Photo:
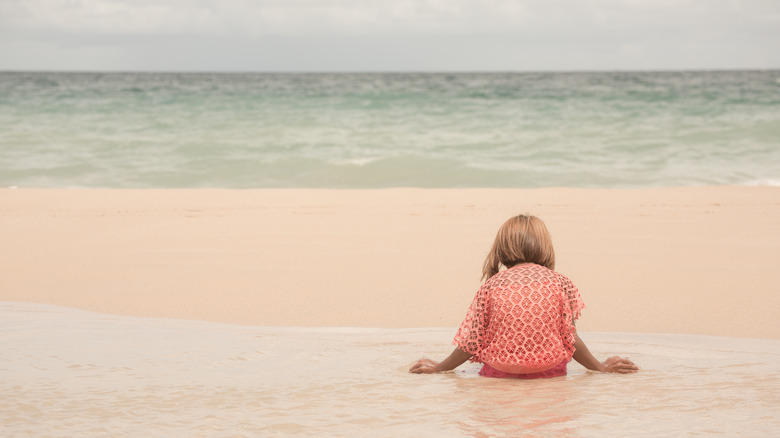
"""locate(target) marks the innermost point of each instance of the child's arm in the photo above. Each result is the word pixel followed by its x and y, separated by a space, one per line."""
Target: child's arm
pixel 427 366
pixel 614 364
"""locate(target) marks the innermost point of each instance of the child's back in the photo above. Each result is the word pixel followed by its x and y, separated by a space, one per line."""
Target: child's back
pixel 522 320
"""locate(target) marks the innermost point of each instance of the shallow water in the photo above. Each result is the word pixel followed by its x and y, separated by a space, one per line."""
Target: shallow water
pixel 69 372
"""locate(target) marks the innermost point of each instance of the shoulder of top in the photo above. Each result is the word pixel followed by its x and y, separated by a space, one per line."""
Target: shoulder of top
pixel 563 278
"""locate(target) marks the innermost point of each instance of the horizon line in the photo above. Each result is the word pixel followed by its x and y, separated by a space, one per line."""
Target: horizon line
pixel 540 71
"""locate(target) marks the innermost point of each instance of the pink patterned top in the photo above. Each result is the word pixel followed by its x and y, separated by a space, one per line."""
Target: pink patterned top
pixel 522 320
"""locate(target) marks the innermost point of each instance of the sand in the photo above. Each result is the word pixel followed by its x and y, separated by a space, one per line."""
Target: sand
pixel 696 260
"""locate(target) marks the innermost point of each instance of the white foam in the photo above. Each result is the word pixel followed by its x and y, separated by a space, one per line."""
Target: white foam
pixel 763 182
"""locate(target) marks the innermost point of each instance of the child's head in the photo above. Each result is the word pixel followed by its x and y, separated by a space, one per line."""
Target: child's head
pixel 522 239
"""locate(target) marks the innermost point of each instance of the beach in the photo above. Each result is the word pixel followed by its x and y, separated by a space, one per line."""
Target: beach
pixel 692 260
pixel 297 312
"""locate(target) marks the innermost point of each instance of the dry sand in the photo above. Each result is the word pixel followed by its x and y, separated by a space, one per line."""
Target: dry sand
pixel 700 260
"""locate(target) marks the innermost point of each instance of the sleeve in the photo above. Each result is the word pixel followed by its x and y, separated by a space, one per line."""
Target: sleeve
pixel 471 334
pixel 571 308
pixel 572 301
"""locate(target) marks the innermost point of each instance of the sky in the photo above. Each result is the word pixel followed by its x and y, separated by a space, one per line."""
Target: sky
pixel 388 35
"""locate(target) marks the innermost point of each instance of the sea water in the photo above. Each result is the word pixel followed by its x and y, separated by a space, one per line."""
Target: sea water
pixel 611 129
pixel 69 372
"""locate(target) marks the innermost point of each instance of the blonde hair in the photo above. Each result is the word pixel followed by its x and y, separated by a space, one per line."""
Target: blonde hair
pixel 521 239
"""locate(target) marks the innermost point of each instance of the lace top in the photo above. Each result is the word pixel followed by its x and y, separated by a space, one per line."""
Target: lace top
pixel 522 320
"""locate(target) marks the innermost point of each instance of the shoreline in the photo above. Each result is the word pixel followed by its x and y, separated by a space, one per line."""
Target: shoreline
pixel 445 333
pixel 686 260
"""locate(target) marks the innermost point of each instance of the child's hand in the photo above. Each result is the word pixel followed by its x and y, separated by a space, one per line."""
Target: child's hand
pixel 424 366
pixel 617 364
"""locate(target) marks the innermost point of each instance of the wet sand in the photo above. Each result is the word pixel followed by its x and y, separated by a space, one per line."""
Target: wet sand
pixel 696 260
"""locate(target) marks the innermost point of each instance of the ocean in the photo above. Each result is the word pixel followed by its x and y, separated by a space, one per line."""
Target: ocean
pixel 70 372
pixel 376 130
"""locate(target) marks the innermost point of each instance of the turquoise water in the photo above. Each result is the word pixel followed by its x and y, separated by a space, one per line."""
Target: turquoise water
pixel 612 130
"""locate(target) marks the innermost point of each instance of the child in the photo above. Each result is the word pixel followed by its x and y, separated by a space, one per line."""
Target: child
pixel 521 322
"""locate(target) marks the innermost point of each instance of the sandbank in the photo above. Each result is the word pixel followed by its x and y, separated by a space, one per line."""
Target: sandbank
pixel 697 260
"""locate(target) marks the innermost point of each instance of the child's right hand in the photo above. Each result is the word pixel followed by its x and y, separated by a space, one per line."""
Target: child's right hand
pixel 616 364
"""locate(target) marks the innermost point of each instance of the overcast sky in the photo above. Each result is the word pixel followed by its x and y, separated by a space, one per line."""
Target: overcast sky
pixel 388 35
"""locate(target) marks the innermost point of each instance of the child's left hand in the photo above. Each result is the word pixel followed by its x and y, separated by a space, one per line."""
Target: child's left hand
pixel 424 366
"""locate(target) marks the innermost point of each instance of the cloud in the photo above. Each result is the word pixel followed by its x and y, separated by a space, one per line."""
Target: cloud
pixel 360 17
pixel 654 33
